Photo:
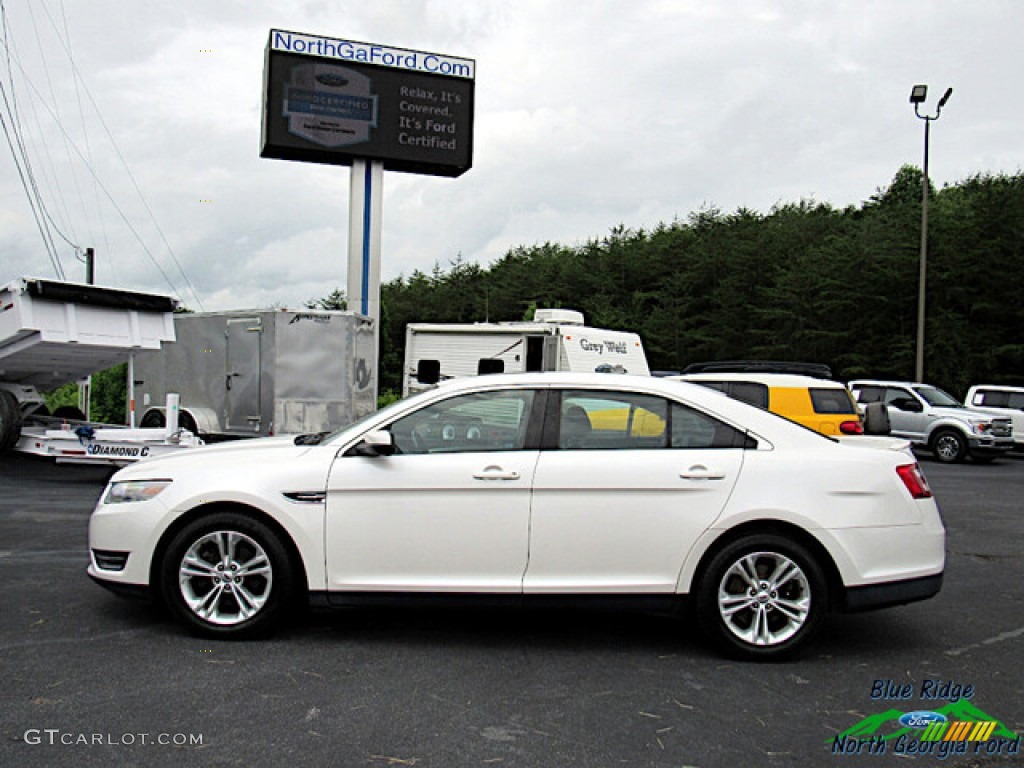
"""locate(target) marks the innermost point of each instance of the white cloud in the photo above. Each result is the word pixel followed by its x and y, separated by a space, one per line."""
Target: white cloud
pixel 588 115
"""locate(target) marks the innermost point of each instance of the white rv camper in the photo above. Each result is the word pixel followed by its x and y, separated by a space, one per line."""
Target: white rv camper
pixel 556 340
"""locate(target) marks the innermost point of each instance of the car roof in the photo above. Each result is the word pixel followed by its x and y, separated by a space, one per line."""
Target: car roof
pixel 889 383
pixel 768 379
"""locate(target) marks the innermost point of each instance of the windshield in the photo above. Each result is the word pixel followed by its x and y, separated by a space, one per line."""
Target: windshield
pixel 937 397
pixel 325 437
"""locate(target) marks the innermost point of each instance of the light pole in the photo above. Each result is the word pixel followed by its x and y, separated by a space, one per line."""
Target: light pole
pixel 917 96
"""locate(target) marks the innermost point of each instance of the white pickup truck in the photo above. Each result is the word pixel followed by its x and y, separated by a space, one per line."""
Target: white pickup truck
pixel 937 421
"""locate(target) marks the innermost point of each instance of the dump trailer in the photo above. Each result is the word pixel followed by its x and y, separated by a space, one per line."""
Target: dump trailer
pixel 55 332
pixel 261 372
pixel 556 340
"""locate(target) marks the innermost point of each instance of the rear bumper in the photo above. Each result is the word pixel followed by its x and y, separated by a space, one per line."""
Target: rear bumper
pixel 891 593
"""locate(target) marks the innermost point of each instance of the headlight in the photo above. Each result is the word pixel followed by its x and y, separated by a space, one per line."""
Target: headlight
pixel 982 427
pixel 134 490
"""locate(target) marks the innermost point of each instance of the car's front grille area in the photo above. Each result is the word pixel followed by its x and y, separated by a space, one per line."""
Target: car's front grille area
pixel 1001 428
pixel 108 560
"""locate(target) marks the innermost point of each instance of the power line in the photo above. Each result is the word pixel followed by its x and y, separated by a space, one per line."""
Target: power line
pixel 44 220
pixel 16 142
pixel 113 142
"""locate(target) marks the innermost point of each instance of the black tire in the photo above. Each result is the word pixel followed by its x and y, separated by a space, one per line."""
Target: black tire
pixel 10 420
pixel 948 446
pixel 770 619
pixel 225 595
pixel 153 419
pixel 69 412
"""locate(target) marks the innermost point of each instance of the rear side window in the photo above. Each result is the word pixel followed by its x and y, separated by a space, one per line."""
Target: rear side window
pixel 832 400
pixel 744 391
pixel 750 392
pixel 694 429
pixel 592 420
pixel 870 394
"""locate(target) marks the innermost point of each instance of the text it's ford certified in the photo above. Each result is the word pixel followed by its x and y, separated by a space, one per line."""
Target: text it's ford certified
pixel 555 486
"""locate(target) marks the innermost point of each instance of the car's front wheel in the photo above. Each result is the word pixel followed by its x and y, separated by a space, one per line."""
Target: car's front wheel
pixel 949 446
pixel 227 575
pixel 762 596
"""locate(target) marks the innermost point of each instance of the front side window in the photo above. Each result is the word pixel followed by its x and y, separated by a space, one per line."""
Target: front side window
pixel 992 398
pixel 482 421
pixel 897 394
pixel 938 398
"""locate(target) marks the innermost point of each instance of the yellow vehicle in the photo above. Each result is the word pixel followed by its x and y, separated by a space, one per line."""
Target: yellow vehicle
pixel 823 405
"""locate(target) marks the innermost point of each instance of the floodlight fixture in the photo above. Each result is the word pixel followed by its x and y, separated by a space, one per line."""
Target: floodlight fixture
pixel 945 97
pixel 918 94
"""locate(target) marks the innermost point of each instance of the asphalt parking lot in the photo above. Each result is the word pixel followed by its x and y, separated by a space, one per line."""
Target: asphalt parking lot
pixel 90 679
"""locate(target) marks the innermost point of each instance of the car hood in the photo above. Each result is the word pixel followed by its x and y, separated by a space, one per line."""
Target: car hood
pixel 965 412
pixel 263 450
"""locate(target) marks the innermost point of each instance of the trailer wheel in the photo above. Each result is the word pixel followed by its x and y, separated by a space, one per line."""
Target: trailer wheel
pixel 10 420
pixel 69 412
pixel 153 419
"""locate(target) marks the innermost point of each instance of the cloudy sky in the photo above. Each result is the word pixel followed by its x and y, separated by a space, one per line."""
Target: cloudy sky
pixel 141 119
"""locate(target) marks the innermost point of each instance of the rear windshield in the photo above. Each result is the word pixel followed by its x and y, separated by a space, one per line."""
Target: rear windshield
pixel 832 401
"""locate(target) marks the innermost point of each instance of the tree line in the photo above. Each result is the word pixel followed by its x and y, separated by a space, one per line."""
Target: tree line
pixel 803 282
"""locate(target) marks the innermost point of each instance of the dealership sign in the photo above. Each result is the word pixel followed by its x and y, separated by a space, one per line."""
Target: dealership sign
pixel 334 101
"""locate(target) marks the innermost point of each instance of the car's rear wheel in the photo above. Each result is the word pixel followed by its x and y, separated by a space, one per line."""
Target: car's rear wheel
pixel 762 596
pixel 227 575
pixel 949 446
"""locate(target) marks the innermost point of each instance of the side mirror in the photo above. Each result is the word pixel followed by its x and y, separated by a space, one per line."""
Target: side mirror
pixel 379 442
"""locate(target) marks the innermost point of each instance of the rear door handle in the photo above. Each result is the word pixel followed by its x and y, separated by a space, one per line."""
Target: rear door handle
pixel 495 473
pixel 701 473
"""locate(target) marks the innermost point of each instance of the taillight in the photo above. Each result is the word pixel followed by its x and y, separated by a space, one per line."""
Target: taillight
pixel 914 479
pixel 852 428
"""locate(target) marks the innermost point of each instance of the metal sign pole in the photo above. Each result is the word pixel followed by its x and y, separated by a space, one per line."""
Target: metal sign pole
pixel 364 235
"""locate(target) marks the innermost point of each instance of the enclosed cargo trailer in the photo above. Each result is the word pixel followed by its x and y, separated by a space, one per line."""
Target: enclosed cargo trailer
pixel 262 372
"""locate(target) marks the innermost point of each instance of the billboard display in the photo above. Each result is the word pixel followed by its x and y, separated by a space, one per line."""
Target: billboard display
pixel 333 101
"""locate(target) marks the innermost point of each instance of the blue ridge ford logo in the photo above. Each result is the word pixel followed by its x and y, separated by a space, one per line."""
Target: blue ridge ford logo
pixel 921 719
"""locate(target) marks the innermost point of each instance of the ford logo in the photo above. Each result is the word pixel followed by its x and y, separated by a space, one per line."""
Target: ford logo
pixel 921 719
pixel 333 80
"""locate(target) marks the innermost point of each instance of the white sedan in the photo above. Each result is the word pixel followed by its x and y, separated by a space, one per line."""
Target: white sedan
pixel 532 487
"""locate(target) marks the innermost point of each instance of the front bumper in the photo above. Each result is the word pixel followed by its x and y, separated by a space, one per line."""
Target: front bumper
pixel 135 591
pixel 990 444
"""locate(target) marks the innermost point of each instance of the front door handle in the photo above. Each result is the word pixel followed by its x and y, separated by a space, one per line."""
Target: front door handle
pixel 496 473
pixel 700 472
